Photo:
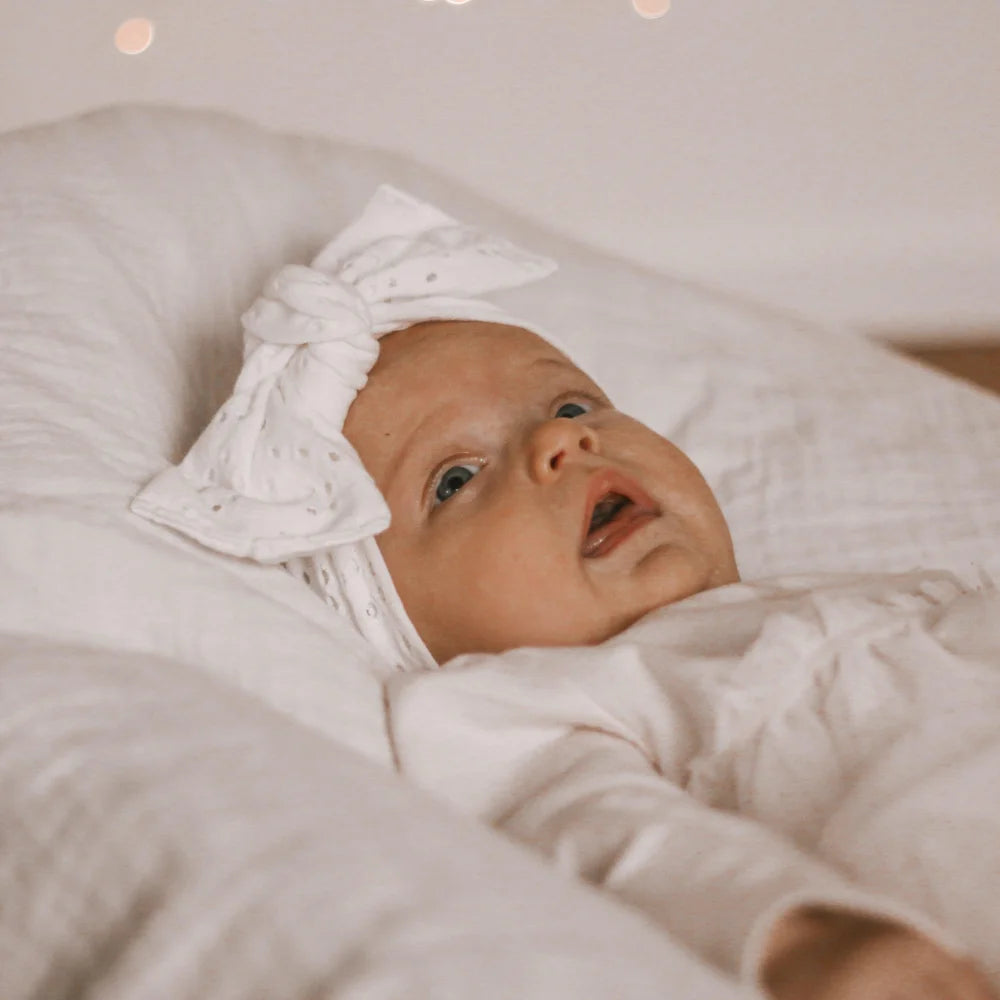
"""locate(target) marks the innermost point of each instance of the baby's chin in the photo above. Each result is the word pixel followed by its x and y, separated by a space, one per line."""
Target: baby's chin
pixel 664 576
pixel 671 580
pixel 668 575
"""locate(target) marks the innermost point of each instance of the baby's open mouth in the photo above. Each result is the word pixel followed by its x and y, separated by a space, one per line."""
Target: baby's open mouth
pixel 607 509
pixel 616 508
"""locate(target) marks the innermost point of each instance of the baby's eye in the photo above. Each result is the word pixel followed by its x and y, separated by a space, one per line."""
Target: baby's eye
pixel 571 410
pixel 452 480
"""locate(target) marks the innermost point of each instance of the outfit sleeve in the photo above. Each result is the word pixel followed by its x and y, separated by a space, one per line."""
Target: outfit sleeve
pixel 575 776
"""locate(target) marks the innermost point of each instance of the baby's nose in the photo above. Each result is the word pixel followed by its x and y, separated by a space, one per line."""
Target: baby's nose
pixel 556 441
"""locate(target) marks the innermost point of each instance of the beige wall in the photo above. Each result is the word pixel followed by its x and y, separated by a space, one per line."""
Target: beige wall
pixel 841 158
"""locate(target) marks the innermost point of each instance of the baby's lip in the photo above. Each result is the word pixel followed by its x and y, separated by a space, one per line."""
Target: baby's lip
pixel 641 508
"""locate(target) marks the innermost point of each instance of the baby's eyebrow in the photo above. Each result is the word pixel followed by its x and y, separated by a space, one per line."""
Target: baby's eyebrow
pixel 555 362
pixel 419 448
pixel 407 450
pixel 565 365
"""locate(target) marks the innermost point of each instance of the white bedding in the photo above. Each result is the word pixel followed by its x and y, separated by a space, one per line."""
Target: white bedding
pixel 165 837
pixel 130 241
pixel 851 723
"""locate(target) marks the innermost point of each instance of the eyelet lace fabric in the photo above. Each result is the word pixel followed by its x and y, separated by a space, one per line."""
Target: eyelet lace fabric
pixel 272 477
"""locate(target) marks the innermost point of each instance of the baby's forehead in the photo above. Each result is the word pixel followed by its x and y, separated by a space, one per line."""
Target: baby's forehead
pixel 466 350
pixel 470 343
pixel 438 376
pixel 447 380
pixel 467 338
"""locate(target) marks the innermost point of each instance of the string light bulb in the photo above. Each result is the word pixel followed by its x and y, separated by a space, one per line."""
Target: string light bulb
pixel 134 36
pixel 651 8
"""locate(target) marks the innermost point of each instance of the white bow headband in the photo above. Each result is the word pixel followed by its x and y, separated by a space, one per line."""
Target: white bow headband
pixel 272 478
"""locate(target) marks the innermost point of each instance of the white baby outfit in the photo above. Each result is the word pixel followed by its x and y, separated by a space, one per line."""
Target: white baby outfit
pixel 272 478
pixel 817 740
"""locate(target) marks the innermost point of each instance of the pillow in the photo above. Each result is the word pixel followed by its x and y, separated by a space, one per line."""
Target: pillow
pixel 164 837
pixel 132 238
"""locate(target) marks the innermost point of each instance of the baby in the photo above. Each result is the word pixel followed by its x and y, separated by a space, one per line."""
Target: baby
pixel 528 511
pixel 481 494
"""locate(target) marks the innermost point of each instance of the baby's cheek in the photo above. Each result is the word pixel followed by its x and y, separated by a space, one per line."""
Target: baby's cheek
pixel 541 600
pixel 502 598
pixel 495 585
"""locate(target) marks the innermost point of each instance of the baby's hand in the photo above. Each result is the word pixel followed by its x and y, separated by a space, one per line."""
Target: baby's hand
pixel 829 955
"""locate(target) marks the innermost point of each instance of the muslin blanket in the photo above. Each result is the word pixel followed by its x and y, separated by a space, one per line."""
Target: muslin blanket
pixel 823 740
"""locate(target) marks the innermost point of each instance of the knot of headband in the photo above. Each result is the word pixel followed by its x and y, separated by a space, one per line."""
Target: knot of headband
pixel 272 477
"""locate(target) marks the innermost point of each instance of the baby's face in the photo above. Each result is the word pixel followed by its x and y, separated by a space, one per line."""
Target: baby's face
pixel 526 510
